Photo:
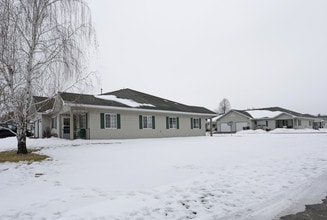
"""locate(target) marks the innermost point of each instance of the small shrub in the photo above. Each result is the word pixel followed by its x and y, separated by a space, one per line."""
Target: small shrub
pixel 47 132
pixel 54 134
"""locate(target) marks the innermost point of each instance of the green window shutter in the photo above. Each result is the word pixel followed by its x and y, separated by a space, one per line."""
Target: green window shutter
pixel 118 121
pixel 102 120
pixel 200 123
pixel 167 122
pixel 177 122
pixel 140 122
pixel 191 123
pixel 86 118
pixel 153 122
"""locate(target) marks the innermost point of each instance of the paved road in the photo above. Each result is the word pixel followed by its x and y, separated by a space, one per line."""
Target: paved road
pixel 312 212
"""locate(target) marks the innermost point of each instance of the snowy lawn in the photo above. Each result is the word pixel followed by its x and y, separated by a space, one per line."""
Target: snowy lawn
pixel 248 175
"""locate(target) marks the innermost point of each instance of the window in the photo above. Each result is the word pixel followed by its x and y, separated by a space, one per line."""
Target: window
pixel 195 123
pixel 110 121
pixel 262 123
pixel 172 122
pixel 54 123
pixel 82 121
pixel 146 121
pixel 299 122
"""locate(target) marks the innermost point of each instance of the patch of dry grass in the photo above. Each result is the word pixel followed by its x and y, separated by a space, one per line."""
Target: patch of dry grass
pixel 12 156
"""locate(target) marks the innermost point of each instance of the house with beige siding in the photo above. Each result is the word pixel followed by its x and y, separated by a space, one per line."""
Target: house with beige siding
pixel 263 118
pixel 119 114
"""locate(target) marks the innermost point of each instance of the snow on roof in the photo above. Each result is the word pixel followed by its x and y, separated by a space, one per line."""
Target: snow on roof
pixel 128 102
pixel 217 117
pixel 263 113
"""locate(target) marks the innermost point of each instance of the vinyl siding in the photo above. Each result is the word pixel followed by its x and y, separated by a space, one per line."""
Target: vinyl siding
pixel 234 117
pixel 130 125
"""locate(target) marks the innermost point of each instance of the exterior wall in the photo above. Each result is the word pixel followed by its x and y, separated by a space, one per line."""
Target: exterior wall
pixel 266 124
pixel 37 124
pixel 235 118
pixel 130 125
pixel 305 123
pixel 40 122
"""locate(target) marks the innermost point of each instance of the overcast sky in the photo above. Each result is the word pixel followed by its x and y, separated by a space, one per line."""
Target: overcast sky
pixel 254 53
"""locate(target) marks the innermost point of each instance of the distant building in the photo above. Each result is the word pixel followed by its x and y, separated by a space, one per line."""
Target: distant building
pixel 266 119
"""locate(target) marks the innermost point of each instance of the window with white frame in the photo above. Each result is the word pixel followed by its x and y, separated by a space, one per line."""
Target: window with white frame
pixel 82 121
pixel 172 122
pixel 54 123
pixel 110 121
pixel 196 123
pixel 147 121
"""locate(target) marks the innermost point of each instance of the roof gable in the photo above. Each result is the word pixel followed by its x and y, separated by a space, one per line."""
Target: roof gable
pixel 43 104
pixel 239 112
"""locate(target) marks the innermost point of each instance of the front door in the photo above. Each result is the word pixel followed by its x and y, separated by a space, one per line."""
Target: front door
pixel 66 128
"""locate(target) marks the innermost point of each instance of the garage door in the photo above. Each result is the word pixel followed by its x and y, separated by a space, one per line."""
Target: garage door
pixel 241 125
pixel 224 127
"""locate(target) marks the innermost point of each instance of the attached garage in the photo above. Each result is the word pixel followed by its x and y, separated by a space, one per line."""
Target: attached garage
pixel 241 125
pixel 224 127
pixel 233 121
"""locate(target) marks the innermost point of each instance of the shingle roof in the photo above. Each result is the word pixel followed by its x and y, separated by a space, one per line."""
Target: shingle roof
pixel 273 109
pixel 152 102
pixel 42 104
pixel 88 100
pixel 244 113
pixel 287 111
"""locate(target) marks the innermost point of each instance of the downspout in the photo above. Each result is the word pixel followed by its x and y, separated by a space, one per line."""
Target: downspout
pixel 211 127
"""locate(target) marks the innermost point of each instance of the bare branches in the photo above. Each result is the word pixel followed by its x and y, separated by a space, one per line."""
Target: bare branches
pixel 43 47
pixel 224 106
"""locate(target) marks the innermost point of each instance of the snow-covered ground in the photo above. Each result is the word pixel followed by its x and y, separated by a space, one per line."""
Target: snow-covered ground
pixel 248 175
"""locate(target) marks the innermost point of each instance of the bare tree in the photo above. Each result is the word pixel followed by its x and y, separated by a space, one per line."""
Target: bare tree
pixel 42 43
pixel 224 106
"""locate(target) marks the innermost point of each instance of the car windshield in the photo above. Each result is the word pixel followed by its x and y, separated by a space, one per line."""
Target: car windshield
pixel 12 127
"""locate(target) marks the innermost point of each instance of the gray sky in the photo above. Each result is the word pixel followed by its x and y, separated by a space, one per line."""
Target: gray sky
pixel 254 53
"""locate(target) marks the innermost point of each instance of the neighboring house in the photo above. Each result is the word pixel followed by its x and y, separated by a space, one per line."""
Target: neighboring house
pixel 263 118
pixel 120 114
pixel 321 121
